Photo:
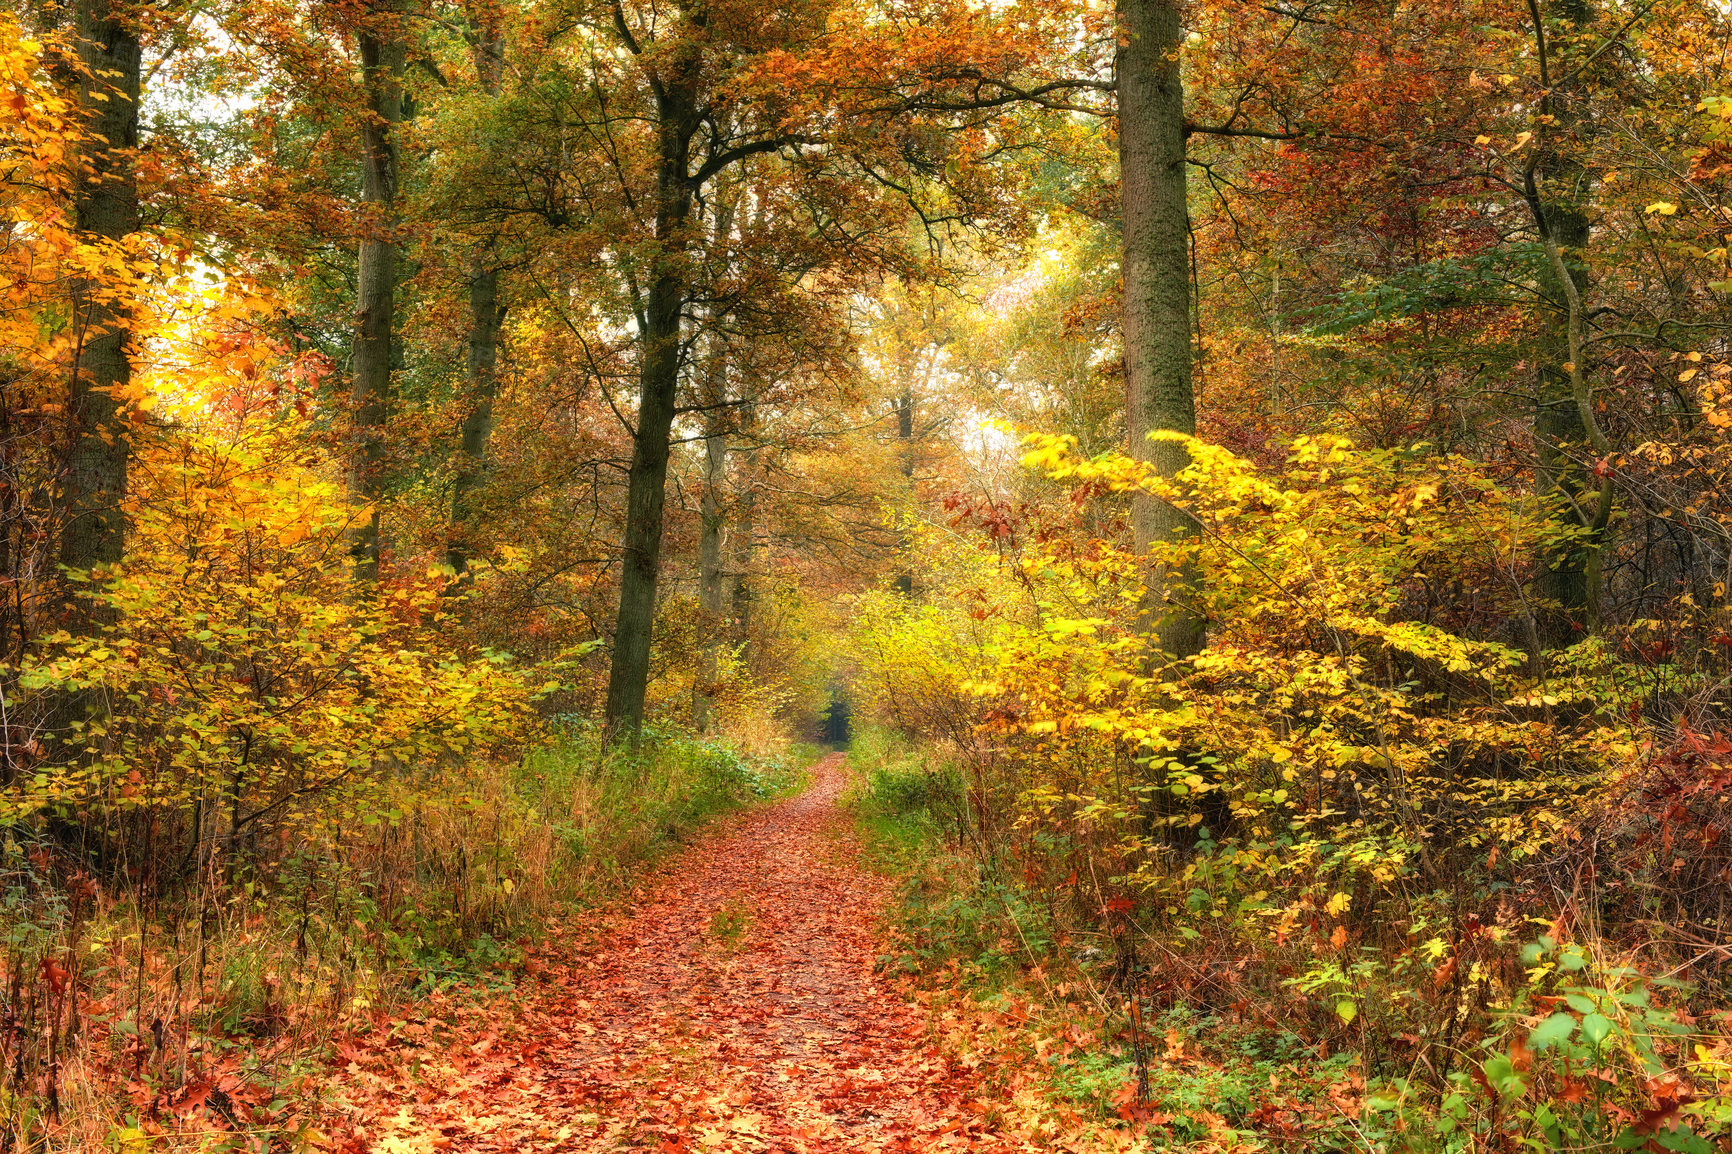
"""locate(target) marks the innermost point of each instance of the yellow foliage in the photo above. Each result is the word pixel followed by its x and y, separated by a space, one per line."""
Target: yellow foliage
pixel 1336 727
pixel 240 676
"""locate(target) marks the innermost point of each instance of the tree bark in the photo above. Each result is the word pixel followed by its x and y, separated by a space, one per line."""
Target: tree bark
pixel 712 583
pixel 485 318
pixel 1157 296
pixel 905 439
pixel 1569 573
pixel 107 210
pixel 659 375
pixel 382 59
pixel 738 590
pixel 1558 431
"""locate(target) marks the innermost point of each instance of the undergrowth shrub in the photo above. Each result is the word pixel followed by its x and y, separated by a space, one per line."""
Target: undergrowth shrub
pixel 912 808
pixel 904 787
pixel 1344 828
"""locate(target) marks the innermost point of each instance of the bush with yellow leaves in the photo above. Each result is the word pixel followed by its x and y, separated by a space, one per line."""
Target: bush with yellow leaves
pixel 242 682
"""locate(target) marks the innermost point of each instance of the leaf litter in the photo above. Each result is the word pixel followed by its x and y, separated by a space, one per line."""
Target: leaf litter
pixel 729 1005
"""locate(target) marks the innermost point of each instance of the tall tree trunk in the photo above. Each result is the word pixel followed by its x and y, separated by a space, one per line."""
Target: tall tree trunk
pixel 905 440
pixel 382 58
pixel 646 488
pixel 1157 300
pixel 107 210
pixel 105 205
pixel 712 516
pixel 1569 575
pixel 485 318
pixel 712 579
pixel 659 377
pixel 1558 436
pixel 738 591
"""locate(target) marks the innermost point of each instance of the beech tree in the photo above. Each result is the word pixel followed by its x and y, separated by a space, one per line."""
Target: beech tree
pixel 1156 320
pixel 487 47
pixel 379 44
pixel 106 212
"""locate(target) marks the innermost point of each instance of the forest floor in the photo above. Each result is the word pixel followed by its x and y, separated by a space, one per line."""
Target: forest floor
pixel 729 1005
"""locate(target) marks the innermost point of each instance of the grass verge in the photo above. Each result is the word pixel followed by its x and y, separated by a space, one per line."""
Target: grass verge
pixel 211 1016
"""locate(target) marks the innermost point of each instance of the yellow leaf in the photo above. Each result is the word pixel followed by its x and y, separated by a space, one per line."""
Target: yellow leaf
pixel 1338 904
pixel 1663 207
pixel 1482 140
pixel 130 1139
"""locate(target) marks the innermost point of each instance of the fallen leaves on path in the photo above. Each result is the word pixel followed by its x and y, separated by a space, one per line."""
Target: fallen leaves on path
pixel 733 1007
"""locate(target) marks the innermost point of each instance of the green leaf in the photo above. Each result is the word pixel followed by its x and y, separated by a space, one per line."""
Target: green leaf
pixel 1500 1073
pixel 1581 1003
pixel 1346 1010
pixel 1553 1030
pixel 1596 1028
pixel 1683 1140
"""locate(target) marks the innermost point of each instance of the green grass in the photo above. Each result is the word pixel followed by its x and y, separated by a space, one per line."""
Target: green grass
pixel 903 805
pixel 908 809
pixel 728 925
pixel 613 810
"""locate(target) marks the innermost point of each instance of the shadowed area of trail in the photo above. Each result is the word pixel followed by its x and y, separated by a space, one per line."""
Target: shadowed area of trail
pixel 732 1008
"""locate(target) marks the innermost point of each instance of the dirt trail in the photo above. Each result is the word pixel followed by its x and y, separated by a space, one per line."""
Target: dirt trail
pixel 667 1035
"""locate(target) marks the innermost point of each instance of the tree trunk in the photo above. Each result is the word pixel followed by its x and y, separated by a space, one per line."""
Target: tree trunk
pixel 712 583
pixel 628 676
pixel 659 377
pixel 1558 435
pixel 1569 576
pixel 1157 295
pixel 485 318
pixel 905 438
pixel 382 60
pixel 743 542
pixel 107 210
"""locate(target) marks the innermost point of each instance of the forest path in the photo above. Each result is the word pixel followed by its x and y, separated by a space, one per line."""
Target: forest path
pixel 733 1008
